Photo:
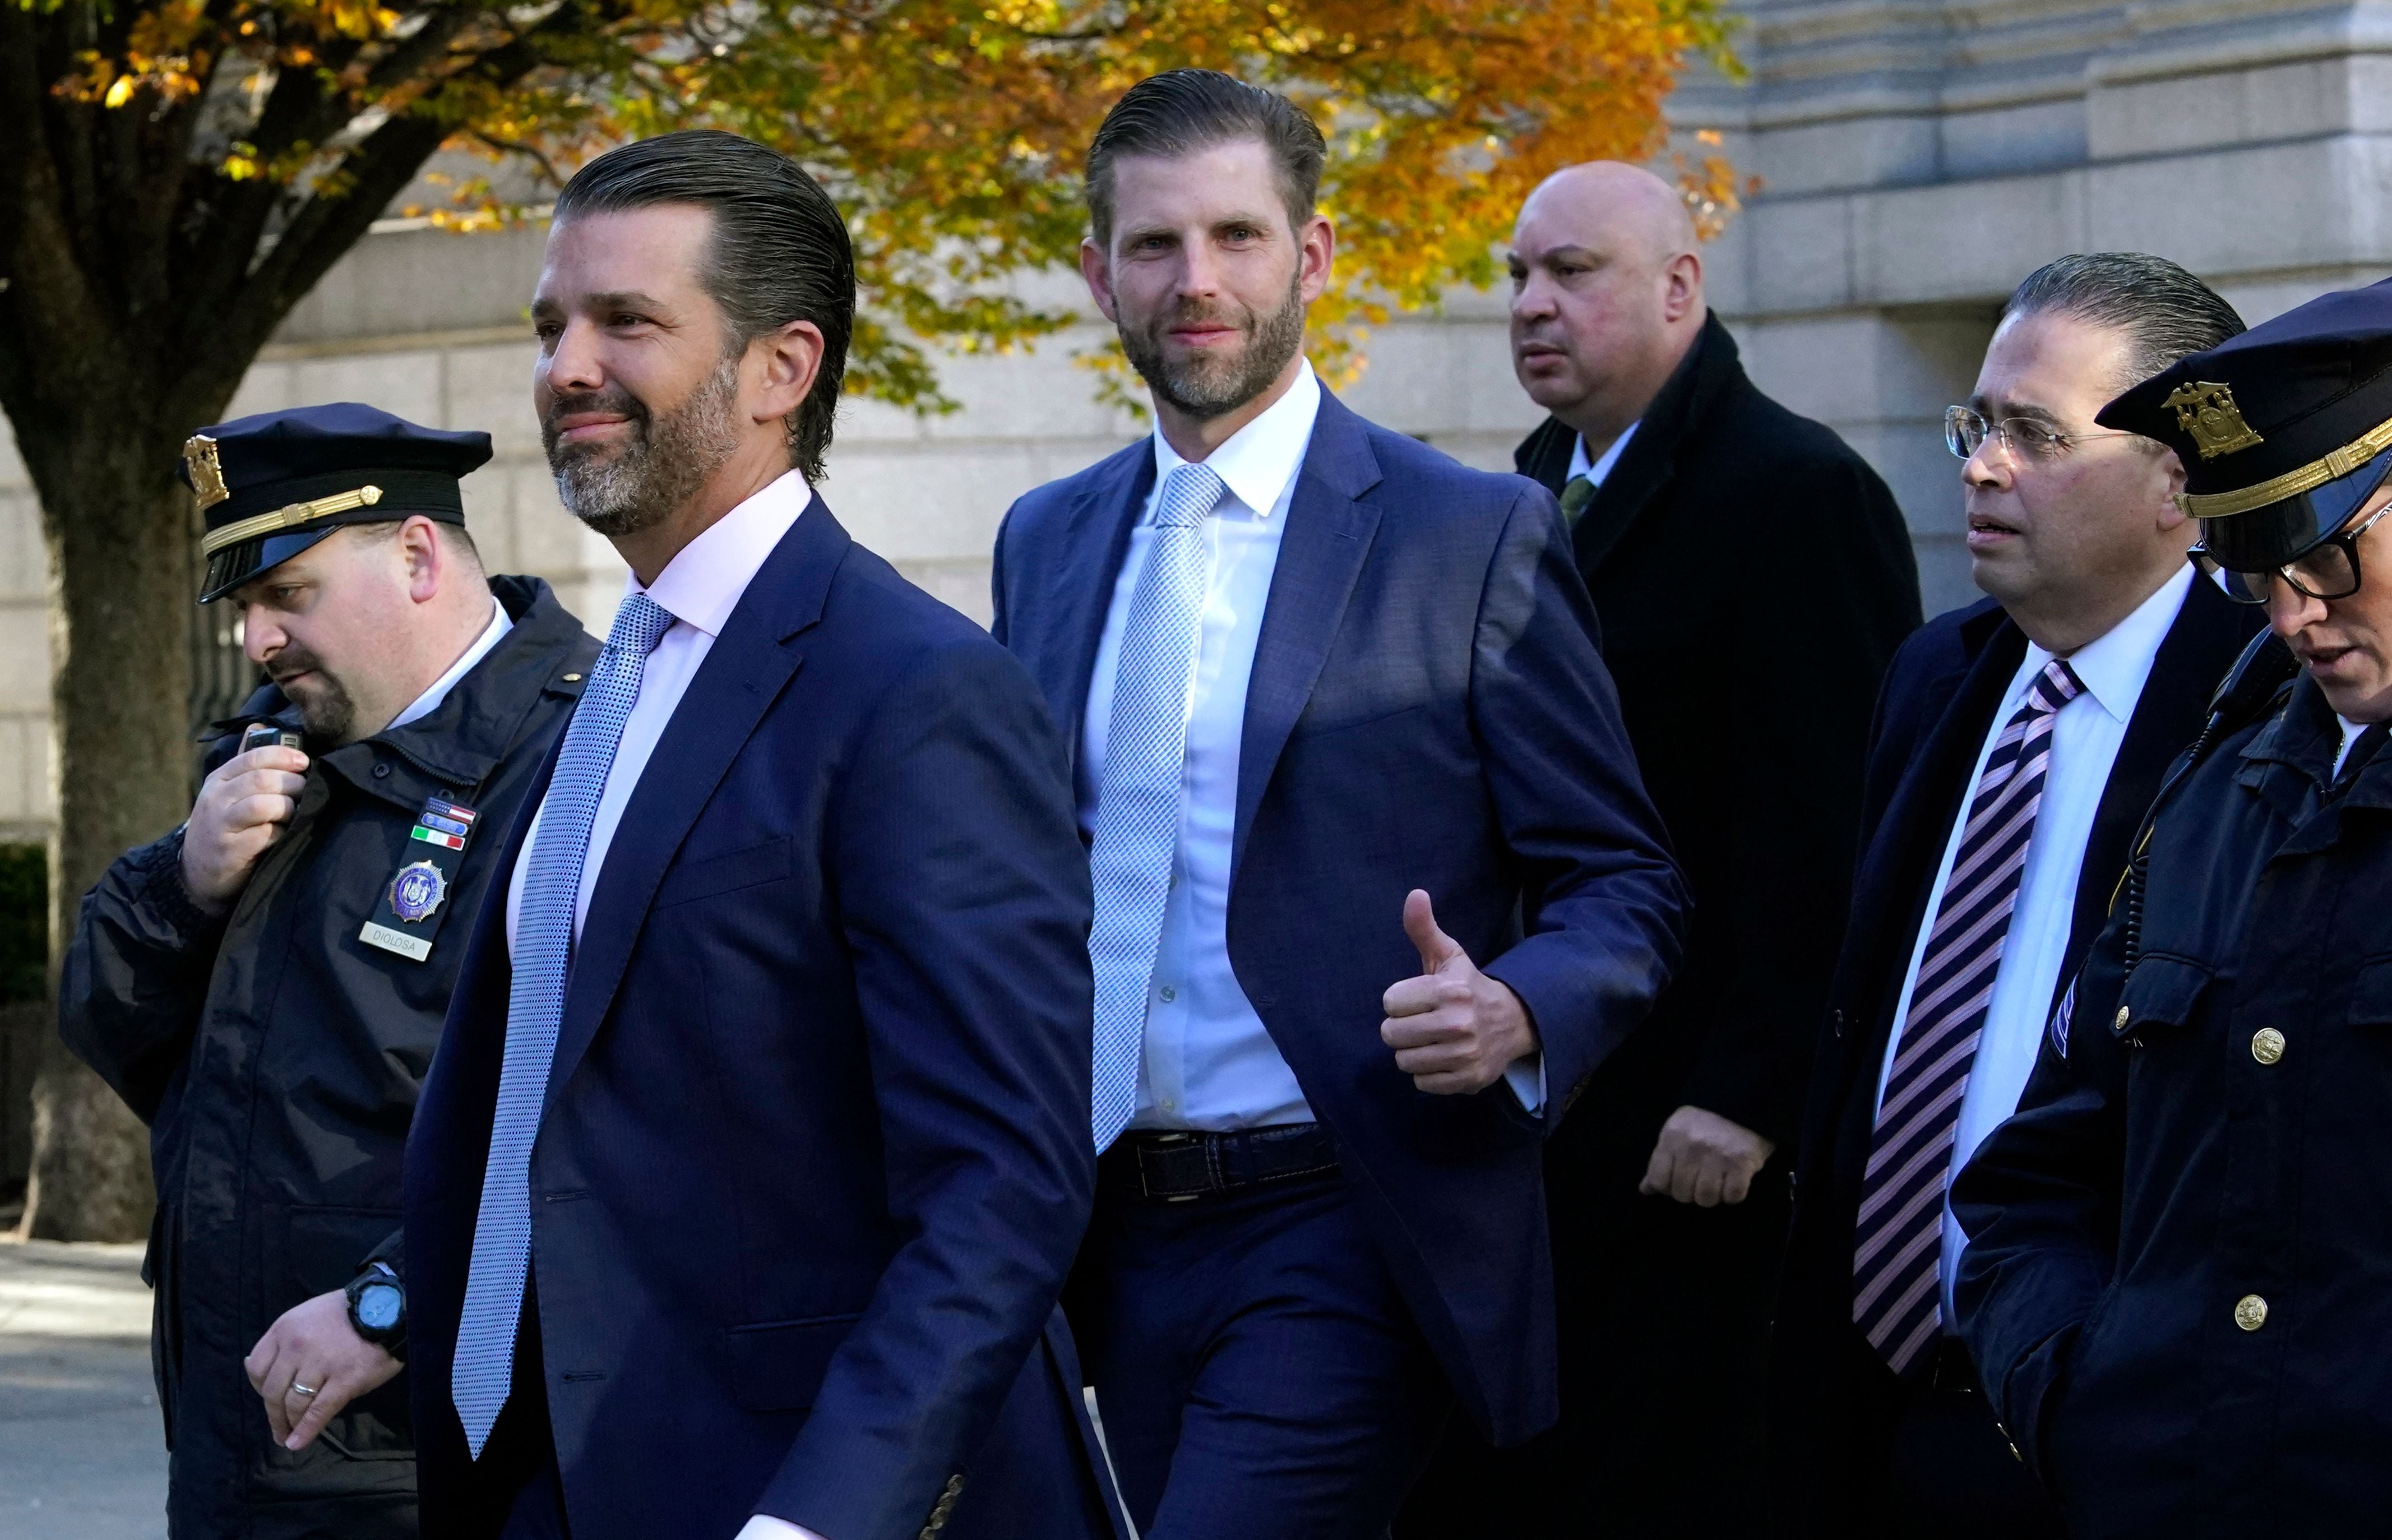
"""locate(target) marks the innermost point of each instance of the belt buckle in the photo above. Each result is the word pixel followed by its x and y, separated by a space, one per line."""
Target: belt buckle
pixel 1171 1143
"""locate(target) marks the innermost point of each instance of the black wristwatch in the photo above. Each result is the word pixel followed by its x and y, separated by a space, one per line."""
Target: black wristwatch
pixel 378 1310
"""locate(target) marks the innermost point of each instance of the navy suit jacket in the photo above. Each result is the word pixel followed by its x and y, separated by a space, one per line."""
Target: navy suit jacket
pixel 1427 709
pixel 814 1157
pixel 1832 1400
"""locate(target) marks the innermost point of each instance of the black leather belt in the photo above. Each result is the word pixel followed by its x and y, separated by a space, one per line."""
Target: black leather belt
pixel 1177 1167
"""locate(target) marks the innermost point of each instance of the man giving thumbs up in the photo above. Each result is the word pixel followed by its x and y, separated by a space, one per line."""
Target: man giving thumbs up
pixel 1454 1030
pixel 1309 665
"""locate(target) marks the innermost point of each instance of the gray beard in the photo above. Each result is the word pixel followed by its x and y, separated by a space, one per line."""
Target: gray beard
pixel 663 466
pixel 1209 387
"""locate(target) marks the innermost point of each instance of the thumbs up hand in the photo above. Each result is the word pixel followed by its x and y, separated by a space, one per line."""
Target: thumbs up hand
pixel 1454 1030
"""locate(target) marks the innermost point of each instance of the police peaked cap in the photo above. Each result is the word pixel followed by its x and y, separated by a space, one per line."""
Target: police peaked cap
pixel 2285 431
pixel 273 485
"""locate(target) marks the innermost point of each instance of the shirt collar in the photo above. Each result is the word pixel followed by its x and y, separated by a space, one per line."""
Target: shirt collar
pixel 1258 461
pixel 1598 470
pixel 702 584
pixel 2113 666
pixel 429 702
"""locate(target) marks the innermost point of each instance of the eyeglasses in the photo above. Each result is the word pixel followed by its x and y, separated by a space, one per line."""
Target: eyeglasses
pixel 2327 570
pixel 1965 433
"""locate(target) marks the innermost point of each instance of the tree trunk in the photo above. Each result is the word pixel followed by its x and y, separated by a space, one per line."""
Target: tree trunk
pixel 118 530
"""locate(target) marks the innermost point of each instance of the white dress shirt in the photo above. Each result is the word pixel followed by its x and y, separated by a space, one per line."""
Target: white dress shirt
pixel 2350 731
pixel 698 588
pixel 2086 733
pixel 429 702
pixel 1209 1062
pixel 1599 470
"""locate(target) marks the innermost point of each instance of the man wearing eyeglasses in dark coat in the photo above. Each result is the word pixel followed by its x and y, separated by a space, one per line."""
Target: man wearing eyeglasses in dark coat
pixel 2178 1279
pixel 2019 741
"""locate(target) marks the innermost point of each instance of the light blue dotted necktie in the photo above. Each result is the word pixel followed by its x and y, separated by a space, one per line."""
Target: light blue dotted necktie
pixel 1138 799
pixel 543 952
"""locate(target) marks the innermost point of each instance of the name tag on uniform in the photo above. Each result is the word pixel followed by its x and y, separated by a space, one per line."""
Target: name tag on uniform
pixel 415 900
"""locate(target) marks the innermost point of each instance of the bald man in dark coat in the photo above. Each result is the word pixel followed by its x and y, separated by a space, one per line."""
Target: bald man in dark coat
pixel 1752 577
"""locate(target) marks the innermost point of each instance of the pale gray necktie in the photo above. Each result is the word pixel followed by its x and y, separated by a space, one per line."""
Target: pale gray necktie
pixel 1137 799
pixel 543 958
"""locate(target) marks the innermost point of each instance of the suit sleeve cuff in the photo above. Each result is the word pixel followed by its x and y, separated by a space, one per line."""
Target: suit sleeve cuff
pixel 1745 1096
pixel 1527 1079
pixel 169 901
pixel 763 1526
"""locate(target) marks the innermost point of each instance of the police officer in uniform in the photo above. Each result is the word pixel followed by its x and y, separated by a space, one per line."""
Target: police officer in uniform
pixel 2178 1285
pixel 265 985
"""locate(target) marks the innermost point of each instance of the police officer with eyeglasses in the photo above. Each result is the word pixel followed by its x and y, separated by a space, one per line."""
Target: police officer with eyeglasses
pixel 2177 1282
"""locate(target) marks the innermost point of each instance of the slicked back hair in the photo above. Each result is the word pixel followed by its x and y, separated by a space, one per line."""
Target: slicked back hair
pixel 1180 111
pixel 779 252
pixel 2165 312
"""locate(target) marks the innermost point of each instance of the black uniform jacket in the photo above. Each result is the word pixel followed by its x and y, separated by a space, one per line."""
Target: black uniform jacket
pixel 1832 1400
pixel 2178 1279
pixel 1753 578
pixel 277 1059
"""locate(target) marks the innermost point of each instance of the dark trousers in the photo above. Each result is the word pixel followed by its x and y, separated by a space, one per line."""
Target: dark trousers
pixel 1255 1370
pixel 1662 1319
pixel 1950 1472
pixel 1858 1454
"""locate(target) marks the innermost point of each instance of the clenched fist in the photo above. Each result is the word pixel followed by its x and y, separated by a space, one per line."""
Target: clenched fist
pixel 1705 1160
pixel 240 811
pixel 1454 1030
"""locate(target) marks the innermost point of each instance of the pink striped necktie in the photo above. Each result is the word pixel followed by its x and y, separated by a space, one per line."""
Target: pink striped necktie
pixel 1898 1256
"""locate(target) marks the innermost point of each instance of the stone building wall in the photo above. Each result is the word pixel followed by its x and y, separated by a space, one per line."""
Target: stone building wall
pixel 1918 158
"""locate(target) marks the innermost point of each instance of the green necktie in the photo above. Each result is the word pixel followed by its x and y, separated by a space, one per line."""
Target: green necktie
pixel 1575 497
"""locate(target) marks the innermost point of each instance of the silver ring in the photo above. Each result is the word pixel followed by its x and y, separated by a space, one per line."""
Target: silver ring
pixel 298 1389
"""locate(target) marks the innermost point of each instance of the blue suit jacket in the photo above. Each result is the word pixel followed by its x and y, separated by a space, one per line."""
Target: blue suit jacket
pixel 1427 709
pixel 814 1157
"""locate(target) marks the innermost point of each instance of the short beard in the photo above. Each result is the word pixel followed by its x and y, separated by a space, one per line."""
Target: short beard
pixel 327 711
pixel 667 461
pixel 1206 387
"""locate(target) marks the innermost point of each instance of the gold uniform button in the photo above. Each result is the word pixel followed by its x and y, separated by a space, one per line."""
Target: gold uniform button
pixel 2123 1016
pixel 2250 1313
pixel 2267 1045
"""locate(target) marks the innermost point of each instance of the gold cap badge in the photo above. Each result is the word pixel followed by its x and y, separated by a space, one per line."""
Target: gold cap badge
pixel 207 474
pixel 2206 410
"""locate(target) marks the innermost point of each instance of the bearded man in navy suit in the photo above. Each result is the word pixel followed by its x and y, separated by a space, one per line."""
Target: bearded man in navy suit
pixel 757 1148
pixel 1377 884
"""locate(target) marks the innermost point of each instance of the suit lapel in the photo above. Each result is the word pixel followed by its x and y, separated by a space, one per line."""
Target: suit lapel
pixel 743 672
pixel 1080 589
pixel 1707 372
pixel 1329 534
pixel 2208 634
pixel 1620 501
pixel 1544 456
pixel 1918 819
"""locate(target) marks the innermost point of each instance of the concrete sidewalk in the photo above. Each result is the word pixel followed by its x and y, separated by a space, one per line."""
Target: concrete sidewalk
pixel 81 1456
